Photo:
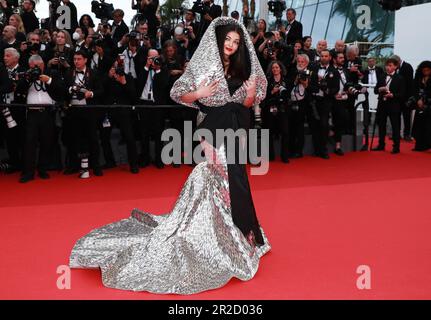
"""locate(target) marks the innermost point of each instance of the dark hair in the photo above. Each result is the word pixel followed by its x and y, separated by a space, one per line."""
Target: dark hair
pixel 81 53
pixel 90 21
pixel 234 14
pixel 264 21
pixel 421 66
pixel 292 10
pixel 239 66
pixel 304 39
pixel 335 54
pixel 280 64
pixel 391 60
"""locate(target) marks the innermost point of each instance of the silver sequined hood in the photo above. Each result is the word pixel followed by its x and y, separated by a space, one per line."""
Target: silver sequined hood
pixel 206 64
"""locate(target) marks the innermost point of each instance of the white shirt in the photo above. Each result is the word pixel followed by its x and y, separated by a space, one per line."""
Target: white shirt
pixel 79 81
pixel 147 93
pixel 129 63
pixel 372 76
pixel 37 96
pixel 10 97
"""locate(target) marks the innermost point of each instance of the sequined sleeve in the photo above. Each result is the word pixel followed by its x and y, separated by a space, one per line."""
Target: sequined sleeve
pixel 185 84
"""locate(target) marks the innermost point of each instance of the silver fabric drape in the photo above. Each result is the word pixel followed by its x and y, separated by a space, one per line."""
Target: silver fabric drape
pixel 196 246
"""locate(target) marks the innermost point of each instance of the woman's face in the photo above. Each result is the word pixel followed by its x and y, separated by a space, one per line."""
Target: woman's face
pixel 308 43
pixel 426 72
pixel 276 70
pixel 170 52
pixel 297 46
pixel 60 39
pixel 261 25
pixel 13 22
pixel 231 43
pixel 85 21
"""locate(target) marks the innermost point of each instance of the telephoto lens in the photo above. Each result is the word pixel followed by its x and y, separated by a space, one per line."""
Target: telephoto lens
pixel 11 123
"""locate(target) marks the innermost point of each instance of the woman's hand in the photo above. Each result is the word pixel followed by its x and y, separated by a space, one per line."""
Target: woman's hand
pixel 205 91
pixel 250 86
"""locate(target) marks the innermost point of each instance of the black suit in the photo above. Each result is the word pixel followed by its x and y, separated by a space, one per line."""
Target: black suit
pixel 320 107
pixel 215 11
pixel 406 71
pixel 30 21
pixel 80 124
pixel 390 107
pixel 151 121
pixel 294 32
pixel 40 128
pixel 120 31
pixel 120 94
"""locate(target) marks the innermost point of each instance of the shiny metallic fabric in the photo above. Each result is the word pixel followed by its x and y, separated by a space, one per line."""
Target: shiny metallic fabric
pixel 206 65
pixel 195 247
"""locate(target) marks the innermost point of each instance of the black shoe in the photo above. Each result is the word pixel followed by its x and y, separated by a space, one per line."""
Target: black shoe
pixel 408 138
pixel 378 148
pixel 109 165
pixel 98 172
pixel 364 147
pixel 144 164
pixel 176 165
pixel 134 169
pixel 44 175
pixel 395 151
pixel 26 178
pixel 324 156
pixel 70 171
pixel 285 160
pixel 339 152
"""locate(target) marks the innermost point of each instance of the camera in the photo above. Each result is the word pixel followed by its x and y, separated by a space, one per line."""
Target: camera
pixel 157 61
pixel 354 89
pixel 119 69
pixel 277 7
pixel 102 10
pixel 31 75
pixel 11 123
pixel 200 7
pixel 304 75
pixel 178 12
pixel 78 92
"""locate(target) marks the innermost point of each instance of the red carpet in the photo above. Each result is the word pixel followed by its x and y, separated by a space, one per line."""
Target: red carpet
pixel 323 219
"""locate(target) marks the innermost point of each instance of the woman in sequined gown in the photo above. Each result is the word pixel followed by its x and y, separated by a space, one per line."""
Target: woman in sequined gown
pixel 212 234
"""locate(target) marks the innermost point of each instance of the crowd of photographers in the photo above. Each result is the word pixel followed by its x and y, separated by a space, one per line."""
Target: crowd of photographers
pixel 110 64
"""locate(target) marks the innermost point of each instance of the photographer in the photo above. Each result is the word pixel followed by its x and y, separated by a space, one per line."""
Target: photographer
pixel 62 53
pixel 340 103
pixel 259 36
pixel 299 89
pixel 44 87
pixel 324 85
pixel 422 102
pixel 405 69
pixel 208 12
pixel 101 61
pixel 152 89
pixel 353 64
pixel 28 16
pixel 190 30
pixel 119 27
pixel 293 31
pixel 121 90
pixel 306 48
pixel 270 50
pixel 31 47
pixel 391 89
pixel 80 125
pixel 11 119
pixel 147 12
pixel 274 109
